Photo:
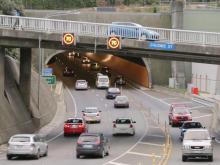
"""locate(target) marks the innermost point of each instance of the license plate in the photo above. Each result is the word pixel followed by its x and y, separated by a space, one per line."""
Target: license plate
pixel 74 126
pixel 87 146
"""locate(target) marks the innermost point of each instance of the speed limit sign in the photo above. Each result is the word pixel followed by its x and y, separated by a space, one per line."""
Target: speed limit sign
pixel 114 42
pixel 68 39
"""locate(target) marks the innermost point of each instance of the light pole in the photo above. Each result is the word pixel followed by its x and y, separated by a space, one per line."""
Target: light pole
pixel 39 70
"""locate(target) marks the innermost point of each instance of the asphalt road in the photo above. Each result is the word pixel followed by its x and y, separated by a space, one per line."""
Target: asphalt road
pixel 148 108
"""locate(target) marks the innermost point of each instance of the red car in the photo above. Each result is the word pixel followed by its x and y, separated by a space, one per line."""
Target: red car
pixel 178 114
pixel 74 126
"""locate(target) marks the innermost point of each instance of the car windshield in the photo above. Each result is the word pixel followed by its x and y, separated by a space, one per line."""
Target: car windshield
pixel 74 121
pixel 196 135
pixel 103 79
pixel 192 125
pixel 181 111
pixel 81 81
pixel 88 138
pixel 123 121
pixel 20 139
pixel 113 90
pixel 121 98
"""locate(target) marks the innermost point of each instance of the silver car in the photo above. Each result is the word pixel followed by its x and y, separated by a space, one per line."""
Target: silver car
pixel 197 143
pixel 91 114
pixel 31 145
pixel 121 101
pixel 81 84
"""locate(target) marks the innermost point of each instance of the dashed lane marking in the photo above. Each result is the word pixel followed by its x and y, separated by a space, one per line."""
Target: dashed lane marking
pixel 201 106
pixel 115 163
pixel 152 144
pixel 171 98
pixel 160 136
pixel 202 116
pixel 147 155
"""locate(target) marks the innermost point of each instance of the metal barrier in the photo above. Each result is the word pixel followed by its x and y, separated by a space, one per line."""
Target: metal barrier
pixel 103 30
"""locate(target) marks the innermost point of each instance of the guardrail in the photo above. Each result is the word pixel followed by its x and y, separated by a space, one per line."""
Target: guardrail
pixel 102 30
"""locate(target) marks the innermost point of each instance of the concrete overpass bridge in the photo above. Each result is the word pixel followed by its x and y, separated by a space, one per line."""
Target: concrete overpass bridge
pixel 28 32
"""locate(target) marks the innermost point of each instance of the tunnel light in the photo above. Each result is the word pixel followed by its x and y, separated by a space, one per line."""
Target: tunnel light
pixel 108 58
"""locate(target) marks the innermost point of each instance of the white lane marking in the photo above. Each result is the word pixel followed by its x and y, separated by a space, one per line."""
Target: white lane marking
pixel 141 154
pixel 201 106
pixel 152 144
pixel 197 117
pixel 74 102
pixel 150 96
pixel 171 98
pixel 182 102
pixel 160 136
pixel 75 114
pixel 154 127
pixel 115 163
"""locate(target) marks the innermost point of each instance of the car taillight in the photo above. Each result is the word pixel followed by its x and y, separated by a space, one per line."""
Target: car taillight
pixel 79 142
pixel 131 126
pixel 114 125
pixel 97 114
pixel 66 125
pixel 80 125
pixel 97 142
pixel 84 114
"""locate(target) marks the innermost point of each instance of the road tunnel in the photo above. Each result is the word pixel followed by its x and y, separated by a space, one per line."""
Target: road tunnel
pixel 132 68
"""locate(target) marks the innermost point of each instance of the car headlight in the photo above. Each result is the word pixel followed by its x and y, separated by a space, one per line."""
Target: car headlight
pixel 186 147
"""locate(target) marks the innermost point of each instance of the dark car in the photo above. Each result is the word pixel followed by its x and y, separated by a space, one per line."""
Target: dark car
pixel 120 80
pixel 189 125
pixel 95 66
pixel 112 93
pixel 105 71
pixel 92 144
pixel 68 72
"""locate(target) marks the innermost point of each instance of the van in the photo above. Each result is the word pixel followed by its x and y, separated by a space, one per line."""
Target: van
pixel 102 81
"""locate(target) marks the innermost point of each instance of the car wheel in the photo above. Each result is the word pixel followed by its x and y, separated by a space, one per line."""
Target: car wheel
pixel 37 156
pixel 77 156
pixel 9 157
pixel 172 124
pixel 64 134
pixel 169 121
pixel 210 158
pixel 184 158
pixel 46 152
pixel 102 155
pixel 133 133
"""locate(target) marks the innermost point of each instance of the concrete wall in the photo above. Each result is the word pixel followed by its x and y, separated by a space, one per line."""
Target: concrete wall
pixel 15 118
pixel 205 76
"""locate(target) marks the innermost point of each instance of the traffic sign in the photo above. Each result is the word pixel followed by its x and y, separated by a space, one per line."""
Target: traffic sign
pixel 51 80
pixel 161 46
pixel 47 71
pixel 114 42
pixel 68 39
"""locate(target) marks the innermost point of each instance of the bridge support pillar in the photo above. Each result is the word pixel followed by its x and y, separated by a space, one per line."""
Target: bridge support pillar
pixel 2 71
pixel 180 70
pixel 25 75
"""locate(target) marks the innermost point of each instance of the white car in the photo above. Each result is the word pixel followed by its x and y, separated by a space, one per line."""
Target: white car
pixel 81 84
pixel 91 114
pixel 102 81
pixel 197 143
pixel 123 126
pixel 31 145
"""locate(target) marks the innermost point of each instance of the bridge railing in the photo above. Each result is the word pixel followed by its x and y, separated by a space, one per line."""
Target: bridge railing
pixel 102 30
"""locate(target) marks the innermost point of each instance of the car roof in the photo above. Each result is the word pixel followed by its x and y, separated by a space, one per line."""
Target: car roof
pixel 79 118
pixel 80 80
pixel 22 135
pixel 198 130
pixel 91 134
pixel 91 108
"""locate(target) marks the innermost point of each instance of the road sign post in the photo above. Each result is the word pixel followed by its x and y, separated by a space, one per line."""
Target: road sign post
pixel 114 42
pixel 51 80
